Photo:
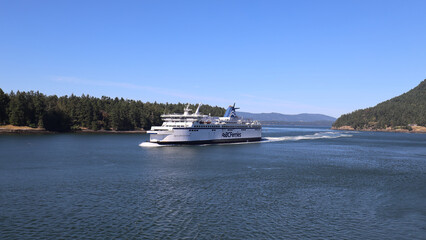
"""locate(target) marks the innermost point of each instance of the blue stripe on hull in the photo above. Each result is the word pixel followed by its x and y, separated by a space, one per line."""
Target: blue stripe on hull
pixel 211 141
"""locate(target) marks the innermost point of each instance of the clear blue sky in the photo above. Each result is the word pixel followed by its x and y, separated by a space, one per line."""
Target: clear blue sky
pixel 329 57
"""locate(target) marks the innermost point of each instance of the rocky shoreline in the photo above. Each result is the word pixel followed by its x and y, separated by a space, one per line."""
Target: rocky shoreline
pixel 9 129
pixel 415 129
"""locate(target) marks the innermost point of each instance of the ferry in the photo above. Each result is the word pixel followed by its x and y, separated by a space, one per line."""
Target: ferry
pixel 196 128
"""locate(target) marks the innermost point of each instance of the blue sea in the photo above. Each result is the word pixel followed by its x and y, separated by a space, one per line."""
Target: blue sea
pixel 299 183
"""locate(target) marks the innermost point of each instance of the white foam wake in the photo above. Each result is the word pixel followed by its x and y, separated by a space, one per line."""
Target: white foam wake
pixel 321 135
pixel 150 145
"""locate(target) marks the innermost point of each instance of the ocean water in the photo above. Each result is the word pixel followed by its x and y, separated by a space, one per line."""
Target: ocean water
pixel 299 183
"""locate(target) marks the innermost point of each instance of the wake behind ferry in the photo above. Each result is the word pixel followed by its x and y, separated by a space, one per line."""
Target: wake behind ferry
pixel 195 128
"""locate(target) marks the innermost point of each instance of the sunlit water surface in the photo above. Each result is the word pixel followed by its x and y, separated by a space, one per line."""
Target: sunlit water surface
pixel 298 183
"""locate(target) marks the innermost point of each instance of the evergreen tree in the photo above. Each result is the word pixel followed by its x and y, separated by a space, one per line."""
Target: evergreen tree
pixel 17 108
pixel 4 103
pixel 56 120
pixel 40 108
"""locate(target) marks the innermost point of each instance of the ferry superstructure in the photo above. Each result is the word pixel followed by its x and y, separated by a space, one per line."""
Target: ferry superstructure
pixel 196 128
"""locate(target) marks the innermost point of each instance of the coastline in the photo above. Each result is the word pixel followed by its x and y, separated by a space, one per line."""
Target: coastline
pixel 415 129
pixel 9 129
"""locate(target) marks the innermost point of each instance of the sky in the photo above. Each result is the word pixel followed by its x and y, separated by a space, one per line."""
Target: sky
pixel 328 57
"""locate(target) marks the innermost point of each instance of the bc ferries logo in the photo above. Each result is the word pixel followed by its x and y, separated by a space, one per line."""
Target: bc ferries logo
pixel 230 134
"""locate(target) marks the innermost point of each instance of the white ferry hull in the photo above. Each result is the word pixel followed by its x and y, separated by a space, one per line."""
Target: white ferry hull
pixel 195 128
pixel 205 135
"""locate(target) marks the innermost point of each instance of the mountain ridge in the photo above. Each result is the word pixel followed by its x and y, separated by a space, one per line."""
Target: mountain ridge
pixel 289 118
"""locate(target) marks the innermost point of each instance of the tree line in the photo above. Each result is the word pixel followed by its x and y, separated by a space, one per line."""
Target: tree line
pixel 402 111
pixel 68 113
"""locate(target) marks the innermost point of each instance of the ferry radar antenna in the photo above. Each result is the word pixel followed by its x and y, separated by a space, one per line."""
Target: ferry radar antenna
pixel 235 107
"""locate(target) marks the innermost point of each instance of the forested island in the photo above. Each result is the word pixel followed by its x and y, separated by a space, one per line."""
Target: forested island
pixel 38 111
pixel 406 112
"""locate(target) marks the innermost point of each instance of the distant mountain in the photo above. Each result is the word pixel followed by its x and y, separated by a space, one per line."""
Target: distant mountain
pixel 407 111
pixel 297 119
